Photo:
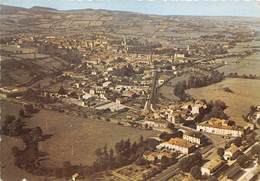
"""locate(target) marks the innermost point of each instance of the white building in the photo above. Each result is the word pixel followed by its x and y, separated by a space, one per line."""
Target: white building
pixel 177 144
pixel 193 137
pixel 155 124
pixel 232 152
pixel 220 127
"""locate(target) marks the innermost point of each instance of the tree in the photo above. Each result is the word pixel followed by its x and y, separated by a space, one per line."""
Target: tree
pixel 255 149
pixel 196 172
pixel 220 152
pixel 165 136
pixel 62 91
pixel 180 134
pixel 212 178
pixel 140 161
pixel 67 169
pixel 171 126
pixel 36 134
pixel 184 164
pixel 141 140
pixel 237 141
pixel 111 158
pixel 165 160
pixel 12 126
pixel 197 156
pixel 8 120
pixel 216 110
pixel 134 147
pixel 21 113
pixel 258 159
pixel 15 151
pixel 28 108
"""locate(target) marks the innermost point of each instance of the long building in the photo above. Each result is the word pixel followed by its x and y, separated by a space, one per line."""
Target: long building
pixel 221 127
pixel 177 144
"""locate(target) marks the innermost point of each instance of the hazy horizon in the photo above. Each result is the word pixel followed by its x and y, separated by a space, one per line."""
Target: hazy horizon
pixel 157 7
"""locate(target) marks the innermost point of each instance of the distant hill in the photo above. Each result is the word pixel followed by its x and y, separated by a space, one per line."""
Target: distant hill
pixel 40 8
pixel 4 9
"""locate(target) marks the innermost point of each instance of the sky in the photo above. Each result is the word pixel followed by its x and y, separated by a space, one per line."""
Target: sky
pixel 249 8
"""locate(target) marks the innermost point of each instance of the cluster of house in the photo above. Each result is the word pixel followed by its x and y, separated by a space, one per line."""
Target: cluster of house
pixel 181 113
pixel 189 142
pixel 188 111
pixel 216 163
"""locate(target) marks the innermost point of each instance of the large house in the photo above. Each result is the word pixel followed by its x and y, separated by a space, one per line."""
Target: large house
pixel 177 144
pixel 232 152
pixel 221 127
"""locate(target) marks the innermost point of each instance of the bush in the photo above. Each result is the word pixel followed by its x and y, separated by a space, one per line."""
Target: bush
pixel 196 172
pixel 220 152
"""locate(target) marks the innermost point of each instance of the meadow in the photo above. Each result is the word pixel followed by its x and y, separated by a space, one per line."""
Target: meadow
pixel 245 92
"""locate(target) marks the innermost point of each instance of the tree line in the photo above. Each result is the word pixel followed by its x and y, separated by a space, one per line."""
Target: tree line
pixel 244 76
pixel 124 152
pixel 195 82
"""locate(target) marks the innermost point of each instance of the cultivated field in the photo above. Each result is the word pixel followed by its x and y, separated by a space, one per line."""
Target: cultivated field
pixel 18 68
pixel 245 93
pixel 247 66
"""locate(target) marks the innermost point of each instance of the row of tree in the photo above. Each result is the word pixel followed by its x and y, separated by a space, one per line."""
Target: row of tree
pixel 195 82
pixel 123 154
pixel 244 76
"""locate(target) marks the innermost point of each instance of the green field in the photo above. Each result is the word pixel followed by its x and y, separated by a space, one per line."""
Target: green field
pixel 73 139
pixel 18 68
pixel 247 66
pixel 76 139
pixel 246 93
